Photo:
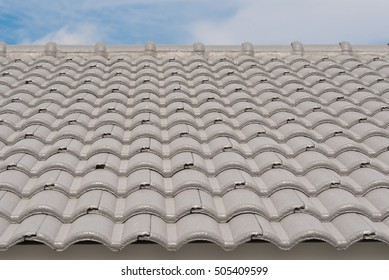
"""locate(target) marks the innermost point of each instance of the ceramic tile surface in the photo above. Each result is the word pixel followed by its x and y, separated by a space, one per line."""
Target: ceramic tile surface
pixel 179 144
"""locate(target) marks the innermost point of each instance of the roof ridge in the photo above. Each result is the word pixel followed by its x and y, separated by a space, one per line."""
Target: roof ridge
pixel 52 49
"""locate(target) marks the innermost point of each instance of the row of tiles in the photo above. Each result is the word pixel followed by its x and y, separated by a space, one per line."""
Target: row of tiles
pixel 88 131
pixel 79 128
pixel 344 164
pixel 280 77
pixel 326 206
pixel 267 102
pixel 84 147
pixel 292 62
pixel 286 85
pixel 221 69
pixel 359 182
pixel 308 112
pixel 341 232
pixel 195 104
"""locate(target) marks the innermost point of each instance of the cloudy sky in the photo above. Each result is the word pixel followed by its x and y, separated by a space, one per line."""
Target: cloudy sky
pixel 187 21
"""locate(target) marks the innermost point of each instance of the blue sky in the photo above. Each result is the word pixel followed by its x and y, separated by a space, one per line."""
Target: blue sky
pixel 186 21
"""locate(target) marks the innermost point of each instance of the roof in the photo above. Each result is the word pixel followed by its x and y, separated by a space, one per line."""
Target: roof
pixel 175 144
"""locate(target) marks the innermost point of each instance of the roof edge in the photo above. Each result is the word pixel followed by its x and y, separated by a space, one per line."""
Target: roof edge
pixel 190 48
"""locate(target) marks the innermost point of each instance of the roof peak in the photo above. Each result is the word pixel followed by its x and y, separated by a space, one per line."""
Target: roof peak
pixel 151 48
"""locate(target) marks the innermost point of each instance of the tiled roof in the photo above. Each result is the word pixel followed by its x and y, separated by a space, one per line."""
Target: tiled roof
pixel 180 143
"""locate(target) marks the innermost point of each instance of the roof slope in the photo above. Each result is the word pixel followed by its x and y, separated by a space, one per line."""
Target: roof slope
pixel 175 144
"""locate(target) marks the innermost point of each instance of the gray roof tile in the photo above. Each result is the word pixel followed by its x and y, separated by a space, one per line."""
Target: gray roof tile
pixel 176 144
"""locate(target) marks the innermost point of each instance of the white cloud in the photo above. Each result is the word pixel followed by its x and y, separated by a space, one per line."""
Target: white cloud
pixel 122 21
pixel 309 21
pixel 188 21
pixel 83 34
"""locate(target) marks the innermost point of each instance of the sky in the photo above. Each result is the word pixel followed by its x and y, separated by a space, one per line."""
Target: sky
pixel 212 22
